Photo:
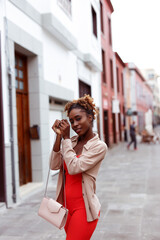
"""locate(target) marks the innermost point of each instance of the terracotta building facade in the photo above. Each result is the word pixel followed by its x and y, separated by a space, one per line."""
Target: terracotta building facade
pixel 107 77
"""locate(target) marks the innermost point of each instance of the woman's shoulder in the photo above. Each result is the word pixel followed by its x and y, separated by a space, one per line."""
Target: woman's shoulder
pixel 96 143
pixel 101 144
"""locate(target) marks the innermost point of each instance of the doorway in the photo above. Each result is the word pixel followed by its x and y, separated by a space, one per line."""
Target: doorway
pixel 106 131
pixel 98 123
pixel 119 123
pixel 24 152
pixel 114 127
pixel 84 89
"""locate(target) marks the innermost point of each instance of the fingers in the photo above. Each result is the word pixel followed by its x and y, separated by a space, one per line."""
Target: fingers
pixel 56 126
pixel 60 125
pixel 56 123
pixel 64 122
pixel 57 130
pixel 65 128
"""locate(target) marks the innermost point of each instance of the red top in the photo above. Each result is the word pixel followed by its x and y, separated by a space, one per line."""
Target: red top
pixel 73 190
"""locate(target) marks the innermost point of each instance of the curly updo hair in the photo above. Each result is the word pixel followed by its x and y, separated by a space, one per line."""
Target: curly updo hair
pixel 85 103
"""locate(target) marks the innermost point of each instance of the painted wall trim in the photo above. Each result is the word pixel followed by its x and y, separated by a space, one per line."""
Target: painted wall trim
pixel 59 92
pixel 24 39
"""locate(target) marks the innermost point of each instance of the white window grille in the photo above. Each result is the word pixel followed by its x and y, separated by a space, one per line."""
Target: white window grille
pixel 66 6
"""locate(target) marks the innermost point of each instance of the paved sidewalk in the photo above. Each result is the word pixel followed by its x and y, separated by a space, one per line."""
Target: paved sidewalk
pixel 128 187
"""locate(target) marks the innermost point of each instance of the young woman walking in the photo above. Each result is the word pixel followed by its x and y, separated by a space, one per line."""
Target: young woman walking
pixel 82 156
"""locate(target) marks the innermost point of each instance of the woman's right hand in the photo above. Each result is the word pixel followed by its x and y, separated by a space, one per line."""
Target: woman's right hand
pixel 56 127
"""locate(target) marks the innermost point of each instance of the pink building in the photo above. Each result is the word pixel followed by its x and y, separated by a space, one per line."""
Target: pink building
pixel 141 96
pixel 120 66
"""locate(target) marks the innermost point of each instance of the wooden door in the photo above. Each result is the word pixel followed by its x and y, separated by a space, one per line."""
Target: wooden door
pixel 23 119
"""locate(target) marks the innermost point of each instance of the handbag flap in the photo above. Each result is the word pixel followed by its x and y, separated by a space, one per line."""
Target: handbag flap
pixel 53 206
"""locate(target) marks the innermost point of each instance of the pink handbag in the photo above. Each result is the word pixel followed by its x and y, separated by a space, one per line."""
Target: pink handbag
pixel 51 210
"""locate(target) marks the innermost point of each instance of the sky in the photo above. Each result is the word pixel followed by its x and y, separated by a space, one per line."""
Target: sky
pixel 136 32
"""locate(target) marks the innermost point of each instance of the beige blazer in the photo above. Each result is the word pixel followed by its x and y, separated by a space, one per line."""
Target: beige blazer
pixel 88 164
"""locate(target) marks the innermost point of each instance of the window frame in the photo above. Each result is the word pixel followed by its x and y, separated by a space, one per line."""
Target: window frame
pixel 111 73
pixel 101 17
pixel 94 22
pixel 110 31
pixel 104 66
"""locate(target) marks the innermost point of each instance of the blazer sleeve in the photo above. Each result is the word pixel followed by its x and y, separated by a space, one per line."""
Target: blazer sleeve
pixel 55 160
pixel 87 159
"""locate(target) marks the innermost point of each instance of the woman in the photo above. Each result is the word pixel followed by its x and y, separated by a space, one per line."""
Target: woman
pixel 82 155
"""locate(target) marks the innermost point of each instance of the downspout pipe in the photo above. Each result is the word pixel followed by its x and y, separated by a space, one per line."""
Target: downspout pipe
pixel 11 135
pixel 2 154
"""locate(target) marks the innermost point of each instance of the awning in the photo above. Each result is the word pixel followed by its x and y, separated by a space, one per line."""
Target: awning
pixel 130 112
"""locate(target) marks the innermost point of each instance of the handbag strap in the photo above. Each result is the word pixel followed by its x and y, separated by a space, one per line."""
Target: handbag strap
pixel 45 192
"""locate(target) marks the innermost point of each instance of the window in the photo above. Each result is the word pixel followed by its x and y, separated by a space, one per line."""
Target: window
pixel 117 71
pixel 20 73
pixel 104 67
pixel 94 22
pixel 84 89
pixel 66 6
pixel 111 73
pixel 110 31
pixel 101 9
pixel 122 83
pixel 150 75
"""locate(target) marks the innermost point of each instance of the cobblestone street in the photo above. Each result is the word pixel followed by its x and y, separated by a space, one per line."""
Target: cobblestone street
pixel 128 187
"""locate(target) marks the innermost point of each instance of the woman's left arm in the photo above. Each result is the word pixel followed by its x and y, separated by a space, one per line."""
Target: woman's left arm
pixel 86 161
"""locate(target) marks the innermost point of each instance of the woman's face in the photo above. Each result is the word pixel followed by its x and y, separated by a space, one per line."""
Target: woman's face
pixel 80 121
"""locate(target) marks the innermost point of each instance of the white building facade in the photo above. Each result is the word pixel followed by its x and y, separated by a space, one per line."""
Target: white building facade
pixel 50 54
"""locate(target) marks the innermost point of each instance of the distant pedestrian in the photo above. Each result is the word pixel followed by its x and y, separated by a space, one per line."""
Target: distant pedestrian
pixel 82 155
pixel 133 136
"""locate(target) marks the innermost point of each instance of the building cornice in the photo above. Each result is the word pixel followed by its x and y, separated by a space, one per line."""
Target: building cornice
pixel 110 6
pixel 141 76
pixel 120 59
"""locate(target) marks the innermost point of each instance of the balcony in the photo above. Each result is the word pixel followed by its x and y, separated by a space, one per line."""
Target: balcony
pixel 92 63
pixel 59 31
